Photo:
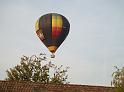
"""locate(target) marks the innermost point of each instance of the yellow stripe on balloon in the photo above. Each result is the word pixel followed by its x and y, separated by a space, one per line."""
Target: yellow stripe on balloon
pixel 37 25
pixel 54 22
pixel 56 26
pixel 59 22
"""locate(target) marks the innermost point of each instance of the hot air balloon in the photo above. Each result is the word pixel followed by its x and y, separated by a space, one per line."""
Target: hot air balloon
pixel 52 29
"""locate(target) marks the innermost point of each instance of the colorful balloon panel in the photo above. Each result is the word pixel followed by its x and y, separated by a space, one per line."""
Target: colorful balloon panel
pixel 52 29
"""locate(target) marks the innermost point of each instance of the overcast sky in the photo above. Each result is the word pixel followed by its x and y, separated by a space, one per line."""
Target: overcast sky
pixel 93 47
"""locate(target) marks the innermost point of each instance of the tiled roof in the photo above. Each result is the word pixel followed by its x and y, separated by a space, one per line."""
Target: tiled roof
pixel 23 86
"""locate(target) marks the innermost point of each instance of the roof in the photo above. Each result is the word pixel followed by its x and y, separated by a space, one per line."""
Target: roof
pixel 24 86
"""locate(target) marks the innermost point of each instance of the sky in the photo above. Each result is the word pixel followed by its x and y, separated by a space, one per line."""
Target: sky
pixel 95 43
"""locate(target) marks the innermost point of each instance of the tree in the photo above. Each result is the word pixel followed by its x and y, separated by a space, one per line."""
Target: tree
pixel 33 69
pixel 118 79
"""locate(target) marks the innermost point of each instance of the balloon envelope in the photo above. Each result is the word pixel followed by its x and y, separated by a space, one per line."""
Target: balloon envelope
pixel 52 29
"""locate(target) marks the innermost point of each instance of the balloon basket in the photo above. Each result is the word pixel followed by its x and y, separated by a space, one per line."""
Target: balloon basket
pixel 52 56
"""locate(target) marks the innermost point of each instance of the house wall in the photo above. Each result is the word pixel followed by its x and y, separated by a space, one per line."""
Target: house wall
pixel 15 86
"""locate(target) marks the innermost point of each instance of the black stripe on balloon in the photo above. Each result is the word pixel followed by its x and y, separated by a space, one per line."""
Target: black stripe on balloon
pixel 46 26
pixel 64 33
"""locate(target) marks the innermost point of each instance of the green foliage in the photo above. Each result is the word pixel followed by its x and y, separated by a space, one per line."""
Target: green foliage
pixel 33 69
pixel 118 79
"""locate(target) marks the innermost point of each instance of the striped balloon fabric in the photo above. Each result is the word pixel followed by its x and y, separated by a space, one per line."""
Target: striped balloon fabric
pixel 52 29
